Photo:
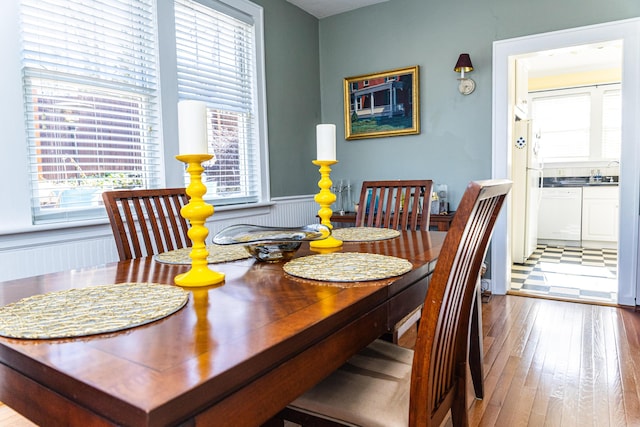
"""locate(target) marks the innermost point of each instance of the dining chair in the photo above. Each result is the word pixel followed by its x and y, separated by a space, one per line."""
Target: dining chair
pixel 147 222
pixel 387 385
pixel 398 204
pixel 402 205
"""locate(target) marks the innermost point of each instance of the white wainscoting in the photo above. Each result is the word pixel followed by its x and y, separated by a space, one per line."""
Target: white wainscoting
pixel 32 254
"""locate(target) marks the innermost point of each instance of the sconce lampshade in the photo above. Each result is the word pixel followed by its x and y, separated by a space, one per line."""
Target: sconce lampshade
pixel 466 85
pixel 463 64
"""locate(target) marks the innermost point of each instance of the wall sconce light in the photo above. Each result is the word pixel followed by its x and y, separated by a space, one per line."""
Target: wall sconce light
pixel 466 85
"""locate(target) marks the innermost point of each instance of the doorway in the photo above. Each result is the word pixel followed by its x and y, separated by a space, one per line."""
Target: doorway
pixel 569 103
pixel 628 31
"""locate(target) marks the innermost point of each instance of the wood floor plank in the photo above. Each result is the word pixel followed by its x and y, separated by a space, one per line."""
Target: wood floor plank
pixel 627 371
pixel 614 392
pixel 632 328
pixel 543 365
pixel 555 364
pixel 573 367
pixel 629 363
pixel 516 404
pixel 600 397
pixel 498 367
pixel 520 394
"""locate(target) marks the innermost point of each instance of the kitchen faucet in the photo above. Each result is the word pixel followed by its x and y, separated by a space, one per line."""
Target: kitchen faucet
pixel 612 163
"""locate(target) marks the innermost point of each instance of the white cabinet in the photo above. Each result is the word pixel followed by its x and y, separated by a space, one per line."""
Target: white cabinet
pixel 600 209
pixel 586 216
pixel 559 215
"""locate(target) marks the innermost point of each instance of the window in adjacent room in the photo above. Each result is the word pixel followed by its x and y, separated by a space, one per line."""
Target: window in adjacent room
pixel 563 124
pixel 579 124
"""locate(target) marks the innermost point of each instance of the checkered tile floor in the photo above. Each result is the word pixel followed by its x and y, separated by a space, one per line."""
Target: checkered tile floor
pixel 569 273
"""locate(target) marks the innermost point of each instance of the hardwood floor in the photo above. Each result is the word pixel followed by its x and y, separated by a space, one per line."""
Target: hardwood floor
pixel 556 363
pixel 547 363
pixel 10 418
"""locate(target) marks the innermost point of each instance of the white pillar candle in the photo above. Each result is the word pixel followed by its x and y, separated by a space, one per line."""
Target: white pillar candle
pixel 192 127
pixel 326 142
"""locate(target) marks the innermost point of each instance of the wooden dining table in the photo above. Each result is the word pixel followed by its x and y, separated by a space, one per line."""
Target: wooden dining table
pixel 234 355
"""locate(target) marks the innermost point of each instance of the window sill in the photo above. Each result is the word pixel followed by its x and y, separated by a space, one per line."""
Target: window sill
pixel 91 226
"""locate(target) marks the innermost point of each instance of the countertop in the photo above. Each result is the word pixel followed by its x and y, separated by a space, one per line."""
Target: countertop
pixel 579 181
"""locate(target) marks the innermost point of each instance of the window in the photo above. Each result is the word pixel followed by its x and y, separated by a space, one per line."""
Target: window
pixel 580 124
pixel 95 113
pixel 216 64
pixel 89 82
pixel 562 122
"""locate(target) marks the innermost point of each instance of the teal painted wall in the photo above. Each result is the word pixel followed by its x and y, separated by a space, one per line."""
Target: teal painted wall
pixel 293 96
pixel 454 145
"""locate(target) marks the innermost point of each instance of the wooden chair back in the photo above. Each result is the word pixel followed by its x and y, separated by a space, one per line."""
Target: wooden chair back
pixel 438 377
pixel 396 204
pixel 147 222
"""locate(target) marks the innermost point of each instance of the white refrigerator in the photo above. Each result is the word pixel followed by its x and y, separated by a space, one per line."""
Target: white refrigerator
pixel 526 192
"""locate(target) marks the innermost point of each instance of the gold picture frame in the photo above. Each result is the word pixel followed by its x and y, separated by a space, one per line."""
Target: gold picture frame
pixel 382 104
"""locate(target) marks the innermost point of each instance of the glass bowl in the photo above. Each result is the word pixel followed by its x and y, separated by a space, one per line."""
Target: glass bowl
pixel 271 244
pixel 273 251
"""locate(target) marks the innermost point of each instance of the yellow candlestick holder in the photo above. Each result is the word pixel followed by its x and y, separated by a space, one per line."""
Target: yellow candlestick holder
pixel 197 211
pixel 325 198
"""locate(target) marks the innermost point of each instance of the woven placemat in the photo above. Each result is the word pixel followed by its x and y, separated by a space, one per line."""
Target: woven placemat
pixel 364 234
pixel 347 267
pixel 217 254
pixel 89 311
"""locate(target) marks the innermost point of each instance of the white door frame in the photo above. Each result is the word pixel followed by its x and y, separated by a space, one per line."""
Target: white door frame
pixel 629 32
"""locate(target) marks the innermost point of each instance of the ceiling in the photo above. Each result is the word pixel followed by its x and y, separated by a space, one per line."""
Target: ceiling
pixel 574 59
pixel 323 8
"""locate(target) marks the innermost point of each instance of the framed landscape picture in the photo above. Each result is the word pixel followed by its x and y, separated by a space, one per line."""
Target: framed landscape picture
pixel 382 104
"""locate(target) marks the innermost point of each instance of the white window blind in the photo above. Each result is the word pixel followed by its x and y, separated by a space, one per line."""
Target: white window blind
pixel 611 124
pixel 90 93
pixel 215 47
